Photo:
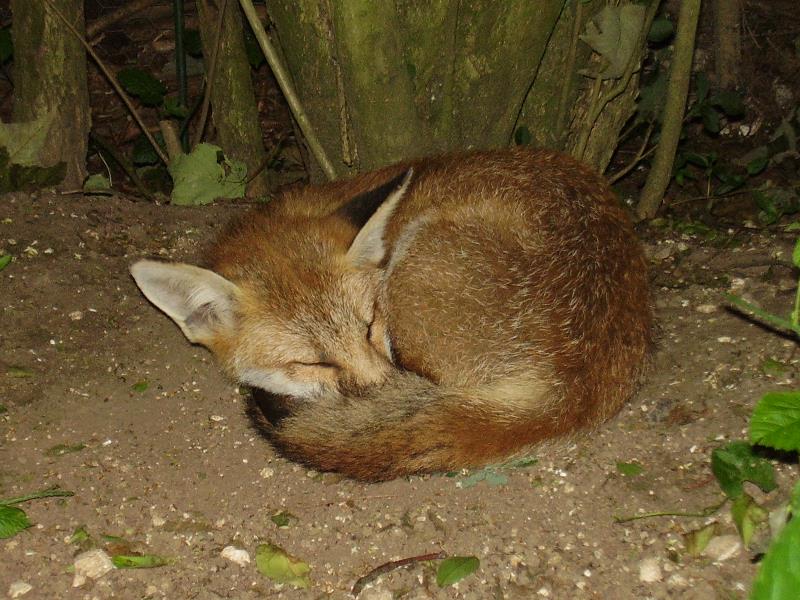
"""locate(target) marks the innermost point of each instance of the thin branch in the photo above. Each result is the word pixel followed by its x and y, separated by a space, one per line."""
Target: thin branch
pixel 762 315
pixel 112 80
pixel 48 493
pixel 703 512
pixel 640 156
pixel 285 83
pixel 391 566
pixel 123 12
pixel 212 70
pixel 569 69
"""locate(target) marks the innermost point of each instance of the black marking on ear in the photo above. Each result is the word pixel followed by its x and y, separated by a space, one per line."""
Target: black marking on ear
pixel 360 208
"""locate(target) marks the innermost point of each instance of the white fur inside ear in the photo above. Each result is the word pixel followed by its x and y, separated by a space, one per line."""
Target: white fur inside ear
pixel 368 249
pixel 198 300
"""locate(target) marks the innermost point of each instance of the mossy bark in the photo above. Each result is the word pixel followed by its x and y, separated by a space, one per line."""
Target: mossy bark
pixel 50 76
pixel 388 81
pixel 233 99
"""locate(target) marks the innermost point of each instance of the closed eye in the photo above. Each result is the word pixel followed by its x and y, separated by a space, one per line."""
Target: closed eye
pixel 319 364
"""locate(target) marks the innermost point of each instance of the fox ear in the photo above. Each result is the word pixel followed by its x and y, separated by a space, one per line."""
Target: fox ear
pixel 198 300
pixel 371 211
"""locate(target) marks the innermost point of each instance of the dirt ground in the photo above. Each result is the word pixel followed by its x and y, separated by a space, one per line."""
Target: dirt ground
pixel 178 470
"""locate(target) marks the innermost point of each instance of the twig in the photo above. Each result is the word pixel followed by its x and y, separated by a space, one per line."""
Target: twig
pixel 598 106
pixel 267 160
pixel 123 12
pixel 285 83
pixel 704 512
pixel 391 566
pixel 764 316
pixel 640 156
pixel 212 70
pixel 130 171
pixel 48 493
pixel 112 80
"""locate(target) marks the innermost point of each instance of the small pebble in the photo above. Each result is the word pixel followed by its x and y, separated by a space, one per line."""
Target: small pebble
pixel 92 564
pixel 19 588
pixel 266 472
pixel 236 555
pixel 649 570
pixel 706 308
pixel 723 547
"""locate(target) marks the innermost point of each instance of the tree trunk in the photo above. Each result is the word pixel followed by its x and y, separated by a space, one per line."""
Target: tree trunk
pixel 232 97
pixel 389 81
pixel 50 76
pixel 728 47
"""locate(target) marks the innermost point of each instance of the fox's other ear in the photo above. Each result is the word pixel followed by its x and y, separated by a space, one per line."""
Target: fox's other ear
pixel 371 212
pixel 198 300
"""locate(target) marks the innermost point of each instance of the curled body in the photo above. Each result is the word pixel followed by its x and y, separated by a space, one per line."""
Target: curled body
pixel 446 313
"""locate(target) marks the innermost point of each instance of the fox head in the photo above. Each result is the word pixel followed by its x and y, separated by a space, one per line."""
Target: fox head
pixel 293 304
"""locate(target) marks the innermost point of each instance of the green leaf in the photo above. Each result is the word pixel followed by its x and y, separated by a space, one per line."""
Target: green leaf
pixel 79 536
pixel 96 183
pixel 747 515
pixel 614 35
pixel 12 521
pixel 173 108
pixel 5 260
pixel 142 85
pixel 283 519
pixel 204 175
pixel 758 164
pixel 630 469
pixel 796 254
pixel 710 119
pixel 140 386
pixel 660 31
pixel 774 368
pixel 274 562
pixel 143 151
pixel 62 449
pixel 735 463
pixel 779 575
pixel 138 561
pixel 731 103
pixel 697 540
pixel 455 568
pixel 702 85
pixel 522 136
pixel 776 421
pixel 19 372
pixel 6 44
pixel 651 97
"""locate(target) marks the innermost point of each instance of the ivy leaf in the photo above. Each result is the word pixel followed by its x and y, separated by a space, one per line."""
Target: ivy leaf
pixel 660 31
pixel 204 175
pixel 731 104
pixel 614 36
pixel 710 118
pixel 747 515
pixel 776 421
pixel 12 521
pixel 138 561
pixel 735 463
pixel 142 85
pixel 274 562
pixel 779 575
pixel 455 568
pixel 629 469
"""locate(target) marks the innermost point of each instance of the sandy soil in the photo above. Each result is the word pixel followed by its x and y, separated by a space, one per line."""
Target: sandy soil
pixel 178 470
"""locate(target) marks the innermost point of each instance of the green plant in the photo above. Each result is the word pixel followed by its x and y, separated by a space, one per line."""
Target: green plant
pixel 774 425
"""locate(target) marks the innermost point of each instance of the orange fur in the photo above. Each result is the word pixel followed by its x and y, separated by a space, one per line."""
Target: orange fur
pixel 509 285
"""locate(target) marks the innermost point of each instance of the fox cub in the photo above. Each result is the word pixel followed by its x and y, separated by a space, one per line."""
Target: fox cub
pixel 445 313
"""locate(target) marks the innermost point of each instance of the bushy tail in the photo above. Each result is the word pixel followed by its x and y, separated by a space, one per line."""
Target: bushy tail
pixel 411 425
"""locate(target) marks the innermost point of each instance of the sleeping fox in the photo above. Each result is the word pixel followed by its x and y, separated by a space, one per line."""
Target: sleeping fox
pixel 446 313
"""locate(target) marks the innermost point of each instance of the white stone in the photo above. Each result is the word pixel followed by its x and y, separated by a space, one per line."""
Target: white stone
pixel 236 555
pixel 92 564
pixel 649 570
pixel 19 588
pixel 723 547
